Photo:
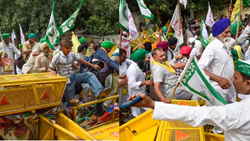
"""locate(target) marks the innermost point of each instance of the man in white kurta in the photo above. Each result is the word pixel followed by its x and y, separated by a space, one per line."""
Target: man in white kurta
pixel 233 118
pixel 136 78
pixel 217 62
pixel 123 67
pixel 9 51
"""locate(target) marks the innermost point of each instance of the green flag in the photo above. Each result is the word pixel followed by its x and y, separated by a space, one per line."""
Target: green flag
pixel 246 2
pixel 196 82
pixel 204 34
pixel 123 16
pixel 70 22
pixel 52 36
pixel 146 13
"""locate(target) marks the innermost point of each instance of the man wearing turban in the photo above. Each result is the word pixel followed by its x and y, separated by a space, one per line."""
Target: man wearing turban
pixel 217 62
pixel 28 46
pixel 136 78
pixel 36 50
pixel 9 51
pixel 43 60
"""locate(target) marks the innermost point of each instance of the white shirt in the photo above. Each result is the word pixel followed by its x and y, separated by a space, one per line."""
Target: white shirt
pixel 11 51
pixel 135 78
pixel 244 36
pixel 233 119
pixel 217 60
pixel 123 70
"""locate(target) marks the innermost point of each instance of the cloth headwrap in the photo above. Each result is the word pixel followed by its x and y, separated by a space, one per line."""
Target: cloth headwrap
pixel 32 35
pixel 107 44
pixel 243 67
pixel 5 35
pixel 172 41
pixel 234 28
pixel 43 45
pixel 185 50
pixel 82 40
pixel 164 45
pixel 139 55
pixel 170 34
pixel 124 33
pixel 20 45
pixel 165 28
pixel 220 26
pixel 191 40
pixel 42 40
pixel 82 46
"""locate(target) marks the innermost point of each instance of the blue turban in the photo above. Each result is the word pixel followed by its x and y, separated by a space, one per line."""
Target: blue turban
pixel 165 28
pixel 220 26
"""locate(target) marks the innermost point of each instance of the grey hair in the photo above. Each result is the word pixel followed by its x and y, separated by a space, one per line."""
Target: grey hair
pixel 154 52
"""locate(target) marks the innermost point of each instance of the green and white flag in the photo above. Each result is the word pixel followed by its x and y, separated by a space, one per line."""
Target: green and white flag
pixel 204 34
pixel 123 16
pixel 194 80
pixel 52 34
pixel 146 13
pixel 70 22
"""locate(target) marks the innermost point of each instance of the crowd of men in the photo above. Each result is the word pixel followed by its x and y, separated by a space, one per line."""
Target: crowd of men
pixel 226 66
pixel 83 72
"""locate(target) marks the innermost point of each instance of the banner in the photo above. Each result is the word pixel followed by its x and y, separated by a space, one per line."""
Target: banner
pixel 75 42
pixel 194 80
pixel 21 35
pixel 52 36
pixel 13 37
pixel 123 16
pixel 146 13
pixel 176 25
pixel 133 33
pixel 210 17
pixel 70 22
pixel 204 34
pixel 125 44
pixel 184 2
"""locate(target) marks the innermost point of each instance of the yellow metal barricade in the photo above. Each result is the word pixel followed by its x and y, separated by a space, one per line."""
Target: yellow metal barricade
pixel 141 128
pixel 177 130
pixel 22 93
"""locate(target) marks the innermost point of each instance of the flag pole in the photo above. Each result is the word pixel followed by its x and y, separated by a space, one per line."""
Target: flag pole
pixel 120 43
pixel 182 75
pixel 237 32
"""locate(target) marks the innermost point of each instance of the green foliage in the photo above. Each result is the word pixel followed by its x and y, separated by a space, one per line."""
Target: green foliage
pixel 97 17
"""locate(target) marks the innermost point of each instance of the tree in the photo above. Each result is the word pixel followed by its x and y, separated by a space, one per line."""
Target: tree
pixel 97 17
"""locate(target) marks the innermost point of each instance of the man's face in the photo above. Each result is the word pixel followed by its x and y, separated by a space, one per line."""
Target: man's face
pixel 7 41
pixel 91 45
pixel 122 58
pixel 66 49
pixel 108 50
pixel 173 46
pixel 240 85
pixel 226 33
pixel 46 49
pixel 160 56
pixel 84 51
pixel 32 40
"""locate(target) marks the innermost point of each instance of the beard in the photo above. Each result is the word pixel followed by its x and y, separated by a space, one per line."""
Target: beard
pixel 46 54
pixel 227 42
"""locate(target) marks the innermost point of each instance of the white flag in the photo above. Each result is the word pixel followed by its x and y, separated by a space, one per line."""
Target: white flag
pixel 13 37
pixel 209 18
pixel 125 44
pixel 176 25
pixel 184 2
pixel 52 34
pixel 146 13
pixel 21 35
pixel 123 16
pixel 194 80
pixel 133 33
